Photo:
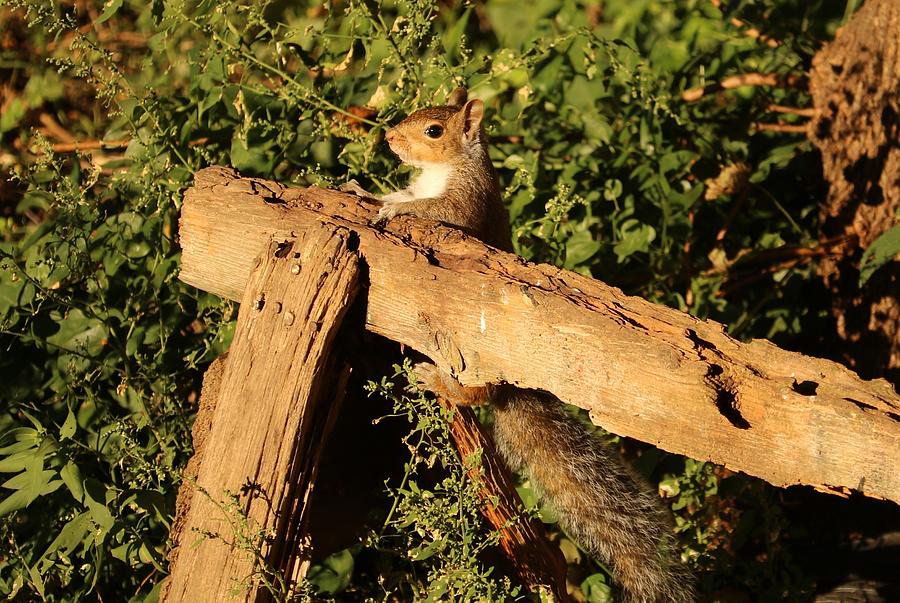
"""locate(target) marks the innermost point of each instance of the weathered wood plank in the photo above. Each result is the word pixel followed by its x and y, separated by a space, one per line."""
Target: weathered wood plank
pixel 642 370
pixel 274 399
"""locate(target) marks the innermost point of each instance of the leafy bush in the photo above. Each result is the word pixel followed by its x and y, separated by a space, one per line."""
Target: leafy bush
pixel 606 170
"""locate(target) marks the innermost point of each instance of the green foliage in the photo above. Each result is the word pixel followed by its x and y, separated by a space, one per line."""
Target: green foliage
pixel 883 250
pixel 434 529
pixel 605 169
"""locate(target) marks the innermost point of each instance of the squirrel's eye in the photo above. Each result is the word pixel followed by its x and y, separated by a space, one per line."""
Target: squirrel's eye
pixel 434 131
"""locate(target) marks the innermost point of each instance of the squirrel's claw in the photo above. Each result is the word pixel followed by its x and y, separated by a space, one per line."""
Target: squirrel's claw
pixel 353 187
pixel 385 213
pixel 427 376
pixel 430 378
pixel 378 220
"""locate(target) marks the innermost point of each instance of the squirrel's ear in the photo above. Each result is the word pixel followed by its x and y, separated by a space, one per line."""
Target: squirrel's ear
pixel 458 97
pixel 472 113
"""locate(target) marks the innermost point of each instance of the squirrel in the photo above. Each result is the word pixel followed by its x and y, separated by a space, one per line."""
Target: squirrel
pixel 612 513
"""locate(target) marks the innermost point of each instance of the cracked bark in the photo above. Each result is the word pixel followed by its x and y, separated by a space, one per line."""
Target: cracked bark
pixel 855 87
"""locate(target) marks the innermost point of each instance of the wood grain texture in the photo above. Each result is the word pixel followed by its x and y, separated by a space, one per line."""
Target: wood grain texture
pixel 246 513
pixel 642 370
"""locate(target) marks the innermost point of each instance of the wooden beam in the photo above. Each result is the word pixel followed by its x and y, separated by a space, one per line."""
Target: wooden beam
pixel 640 369
pixel 243 519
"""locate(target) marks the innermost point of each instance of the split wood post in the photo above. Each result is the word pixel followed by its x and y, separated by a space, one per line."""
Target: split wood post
pixel 642 370
pixel 244 522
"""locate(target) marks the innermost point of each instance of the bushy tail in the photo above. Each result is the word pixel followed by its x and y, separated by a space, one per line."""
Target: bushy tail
pixel 609 510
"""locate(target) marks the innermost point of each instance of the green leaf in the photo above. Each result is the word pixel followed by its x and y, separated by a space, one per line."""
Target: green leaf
pixel 135 339
pixel 151 597
pixel 17 462
pixel 37 581
pixel 612 189
pixel 430 549
pixel 109 9
pixel 35 481
pixel 882 251
pixel 676 160
pixel 137 249
pixel 71 476
pixel 79 334
pixel 333 574
pixel 580 247
pixel 95 499
pixel 254 158
pixel 149 555
pixel 17 585
pixel 596 589
pixel 68 427
pixel 11 115
pixel 454 36
pixel 71 535
pixel 15 501
pixel 515 25
pixel 25 438
pixel 41 87
pixel 636 237
pixel 154 503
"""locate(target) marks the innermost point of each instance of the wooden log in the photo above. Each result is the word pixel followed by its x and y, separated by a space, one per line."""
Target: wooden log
pixel 642 370
pixel 243 523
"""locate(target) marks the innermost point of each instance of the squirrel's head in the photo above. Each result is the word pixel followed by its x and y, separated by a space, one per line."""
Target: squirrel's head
pixel 439 135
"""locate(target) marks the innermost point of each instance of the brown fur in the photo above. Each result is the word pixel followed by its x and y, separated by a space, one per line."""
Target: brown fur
pixel 612 513
pixel 472 200
pixel 609 510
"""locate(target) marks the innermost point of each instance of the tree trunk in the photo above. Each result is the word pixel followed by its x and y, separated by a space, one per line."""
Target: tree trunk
pixel 855 86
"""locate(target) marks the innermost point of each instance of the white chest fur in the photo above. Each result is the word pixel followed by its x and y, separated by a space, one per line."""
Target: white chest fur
pixel 431 182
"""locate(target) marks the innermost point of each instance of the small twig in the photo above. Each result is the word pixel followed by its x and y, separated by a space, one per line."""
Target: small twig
pixel 752 32
pixel 770 261
pixel 88 145
pixel 745 79
pixel 54 128
pixel 801 111
pixel 749 30
pixel 686 264
pixel 730 287
pixel 132 39
pixel 738 205
pixel 783 254
pixel 144 581
pixel 780 127
pixel 94 145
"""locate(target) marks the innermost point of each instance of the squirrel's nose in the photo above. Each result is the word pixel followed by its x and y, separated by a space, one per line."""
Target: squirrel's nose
pixel 390 135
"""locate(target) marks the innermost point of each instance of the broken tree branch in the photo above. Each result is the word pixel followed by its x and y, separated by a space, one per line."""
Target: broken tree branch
pixel 744 79
pixel 537 561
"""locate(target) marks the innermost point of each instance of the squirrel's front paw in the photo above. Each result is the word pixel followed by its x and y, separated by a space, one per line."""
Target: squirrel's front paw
pixel 428 377
pixel 387 212
pixel 352 186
